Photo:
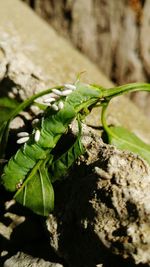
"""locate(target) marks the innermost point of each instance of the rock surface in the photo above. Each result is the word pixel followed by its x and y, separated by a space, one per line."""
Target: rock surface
pixel 73 231
pixel 102 30
pixel 45 49
pixel 111 214
pixel 23 260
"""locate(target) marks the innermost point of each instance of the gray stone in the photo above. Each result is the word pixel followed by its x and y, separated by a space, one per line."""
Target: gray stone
pixel 108 207
pixel 23 260
pixel 74 228
pixel 18 74
pixel 123 24
pixel 45 52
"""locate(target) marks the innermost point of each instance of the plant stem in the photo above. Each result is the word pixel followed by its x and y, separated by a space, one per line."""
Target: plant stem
pixel 103 117
pixel 112 92
pixel 30 100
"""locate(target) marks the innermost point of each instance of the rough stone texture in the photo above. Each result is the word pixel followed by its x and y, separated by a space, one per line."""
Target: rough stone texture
pixel 74 234
pixel 21 78
pixel 23 238
pixel 47 51
pixel 111 215
pixel 102 23
pixel 17 73
pixel 112 212
pixel 23 260
pixel 114 35
pixel 60 62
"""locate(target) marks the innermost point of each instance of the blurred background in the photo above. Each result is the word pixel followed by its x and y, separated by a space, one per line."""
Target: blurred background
pixel 113 34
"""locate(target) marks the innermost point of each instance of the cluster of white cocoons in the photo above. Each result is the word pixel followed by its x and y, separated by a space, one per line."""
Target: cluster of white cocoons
pixel 51 101
pixel 24 137
pixel 56 94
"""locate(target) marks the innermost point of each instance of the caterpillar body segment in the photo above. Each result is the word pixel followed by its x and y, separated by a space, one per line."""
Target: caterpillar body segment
pixel 59 167
pixel 84 96
pixel 52 126
pixel 27 156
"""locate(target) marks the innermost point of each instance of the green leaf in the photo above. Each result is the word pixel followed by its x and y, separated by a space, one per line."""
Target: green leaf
pixel 7 105
pixel 3 136
pixel 37 192
pixel 8 102
pixel 2 129
pixel 124 139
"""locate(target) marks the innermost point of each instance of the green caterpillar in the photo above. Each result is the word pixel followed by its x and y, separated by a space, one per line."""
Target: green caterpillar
pixel 32 170
pixel 53 125
pixel 35 153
